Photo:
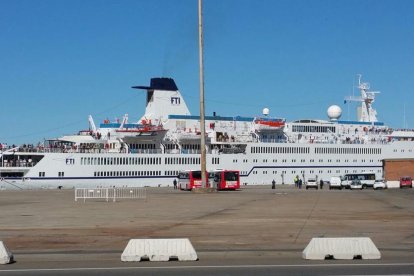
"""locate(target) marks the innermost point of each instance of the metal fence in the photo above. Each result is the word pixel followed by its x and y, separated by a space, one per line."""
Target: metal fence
pixel 110 193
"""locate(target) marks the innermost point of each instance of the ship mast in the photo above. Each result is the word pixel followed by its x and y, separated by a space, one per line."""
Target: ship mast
pixel 202 120
pixel 365 112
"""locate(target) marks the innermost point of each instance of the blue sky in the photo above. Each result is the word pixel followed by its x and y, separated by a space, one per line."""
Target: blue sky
pixel 61 60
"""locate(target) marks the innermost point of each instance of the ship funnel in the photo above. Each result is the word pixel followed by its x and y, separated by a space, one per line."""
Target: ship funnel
pixel 163 99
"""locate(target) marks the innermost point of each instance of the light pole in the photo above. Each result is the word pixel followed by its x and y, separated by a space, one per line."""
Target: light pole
pixel 202 120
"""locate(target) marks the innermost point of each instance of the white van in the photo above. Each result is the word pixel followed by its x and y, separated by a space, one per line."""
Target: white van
pixel 367 179
pixel 335 183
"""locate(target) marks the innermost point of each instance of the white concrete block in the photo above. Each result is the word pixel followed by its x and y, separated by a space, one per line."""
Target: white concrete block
pixel 6 256
pixel 159 250
pixel 393 184
pixel 341 249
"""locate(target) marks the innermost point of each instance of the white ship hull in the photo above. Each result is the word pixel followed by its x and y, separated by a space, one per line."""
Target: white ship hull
pixel 255 168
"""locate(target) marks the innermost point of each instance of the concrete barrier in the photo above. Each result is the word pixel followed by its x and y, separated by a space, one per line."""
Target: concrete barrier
pixel 159 250
pixel 341 249
pixel 393 184
pixel 6 257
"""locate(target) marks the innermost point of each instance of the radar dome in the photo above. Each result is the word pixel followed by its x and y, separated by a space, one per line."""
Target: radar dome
pixel 266 111
pixel 334 112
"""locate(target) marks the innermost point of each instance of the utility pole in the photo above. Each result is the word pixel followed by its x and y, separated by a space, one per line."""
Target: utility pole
pixel 202 120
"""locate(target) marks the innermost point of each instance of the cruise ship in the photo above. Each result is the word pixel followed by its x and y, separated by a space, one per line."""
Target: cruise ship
pixel 166 140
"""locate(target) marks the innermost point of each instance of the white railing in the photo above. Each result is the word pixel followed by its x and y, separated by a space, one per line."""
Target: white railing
pixel 110 193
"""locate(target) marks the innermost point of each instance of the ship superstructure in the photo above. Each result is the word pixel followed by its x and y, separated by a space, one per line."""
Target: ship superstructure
pixel 166 140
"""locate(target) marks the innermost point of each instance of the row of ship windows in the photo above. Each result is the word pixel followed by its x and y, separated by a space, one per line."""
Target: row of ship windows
pixel 182 160
pixel 279 150
pixel 338 172
pixel 120 161
pixel 142 146
pixel 127 173
pixel 313 129
pixel 141 161
pixel 403 150
pixel 121 173
pixel 304 161
pixel 317 150
pixel 174 173
pixel 348 150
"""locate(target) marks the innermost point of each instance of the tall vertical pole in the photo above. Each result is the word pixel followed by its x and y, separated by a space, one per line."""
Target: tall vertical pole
pixel 202 122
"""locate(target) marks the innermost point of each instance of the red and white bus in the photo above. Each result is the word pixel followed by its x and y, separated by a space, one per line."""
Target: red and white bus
pixel 188 180
pixel 226 179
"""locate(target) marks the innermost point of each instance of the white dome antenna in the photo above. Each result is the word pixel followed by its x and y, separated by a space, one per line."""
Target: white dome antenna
pixel 334 112
pixel 265 111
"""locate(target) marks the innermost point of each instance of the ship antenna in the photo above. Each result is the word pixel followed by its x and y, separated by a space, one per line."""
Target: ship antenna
pixel 404 119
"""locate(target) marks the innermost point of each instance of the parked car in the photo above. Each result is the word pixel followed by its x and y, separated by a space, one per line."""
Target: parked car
pixel 380 184
pixel 356 184
pixel 335 183
pixel 311 183
pixel 406 181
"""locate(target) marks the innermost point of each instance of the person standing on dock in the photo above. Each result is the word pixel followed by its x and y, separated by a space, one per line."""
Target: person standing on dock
pixel 296 180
